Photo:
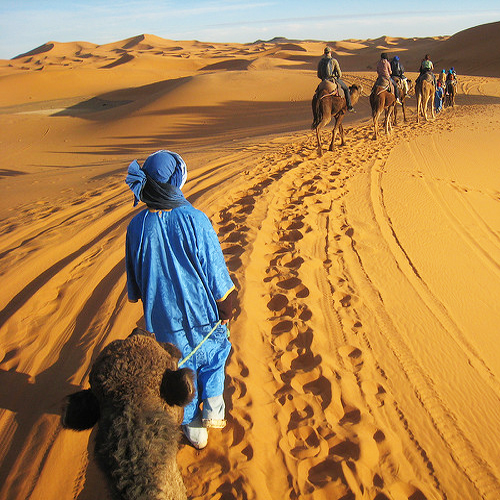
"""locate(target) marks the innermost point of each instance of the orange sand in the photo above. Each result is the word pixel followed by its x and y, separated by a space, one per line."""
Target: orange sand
pixel 366 356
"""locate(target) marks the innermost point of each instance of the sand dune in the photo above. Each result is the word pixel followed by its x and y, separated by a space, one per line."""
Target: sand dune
pixel 365 363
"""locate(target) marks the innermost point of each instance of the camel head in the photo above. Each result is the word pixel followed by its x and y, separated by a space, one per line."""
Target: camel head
pixel 355 91
pixel 132 371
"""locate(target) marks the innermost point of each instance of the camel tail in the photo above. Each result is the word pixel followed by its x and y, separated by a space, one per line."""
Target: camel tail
pixel 317 112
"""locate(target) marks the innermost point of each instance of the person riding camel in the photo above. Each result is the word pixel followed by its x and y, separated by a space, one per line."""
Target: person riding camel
pixel 329 69
pixel 426 66
pixel 451 75
pixel 442 77
pixel 398 70
pixel 451 78
pixel 384 74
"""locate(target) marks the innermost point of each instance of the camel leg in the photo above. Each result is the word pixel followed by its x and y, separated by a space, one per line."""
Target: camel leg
pixel 427 99
pixel 338 128
pixel 334 134
pixel 318 137
pixel 341 129
pixel 375 125
pixel 419 99
pixel 404 110
pixel 387 121
pixel 327 116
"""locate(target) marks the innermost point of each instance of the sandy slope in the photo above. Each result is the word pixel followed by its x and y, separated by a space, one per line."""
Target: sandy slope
pixel 365 362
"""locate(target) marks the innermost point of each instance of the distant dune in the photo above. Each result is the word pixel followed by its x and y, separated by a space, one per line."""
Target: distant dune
pixel 472 51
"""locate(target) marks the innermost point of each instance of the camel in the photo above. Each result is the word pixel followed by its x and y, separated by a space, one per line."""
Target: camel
pixel 403 94
pixel 425 89
pixel 136 398
pixel 325 106
pixel 382 100
pixel 451 92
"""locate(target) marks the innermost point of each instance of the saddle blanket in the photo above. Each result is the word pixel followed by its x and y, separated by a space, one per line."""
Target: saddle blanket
pixel 382 84
pixel 332 88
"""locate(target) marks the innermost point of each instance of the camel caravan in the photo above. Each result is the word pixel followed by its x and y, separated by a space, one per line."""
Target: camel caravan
pixel 333 99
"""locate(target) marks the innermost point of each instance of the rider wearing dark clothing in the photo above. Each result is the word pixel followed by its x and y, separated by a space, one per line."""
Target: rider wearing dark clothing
pixel 329 69
pixel 397 70
pixel 451 75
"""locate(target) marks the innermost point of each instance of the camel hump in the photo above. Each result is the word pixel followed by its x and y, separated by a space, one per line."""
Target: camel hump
pixel 428 77
pixel 381 83
pixel 328 86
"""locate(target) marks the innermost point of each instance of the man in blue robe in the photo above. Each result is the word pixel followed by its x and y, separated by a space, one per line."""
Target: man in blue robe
pixel 176 267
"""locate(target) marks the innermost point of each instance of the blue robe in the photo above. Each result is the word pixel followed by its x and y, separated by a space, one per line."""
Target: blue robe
pixel 176 267
pixel 438 99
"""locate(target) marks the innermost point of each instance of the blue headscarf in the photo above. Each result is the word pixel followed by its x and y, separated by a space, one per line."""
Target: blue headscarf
pixel 158 183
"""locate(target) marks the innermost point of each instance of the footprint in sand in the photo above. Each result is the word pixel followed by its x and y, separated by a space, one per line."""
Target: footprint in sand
pixel 296 223
pixel 284 326
pixel 352 356
pixel 374 392
pixel 304 442
pixel 227 228
pixel 346 301
pixel 351 416
pixel 294 283
pixel 292 235
pixel 322 389
pixel 325 473
pixel 287 260
pixel 277 303
pixel 237 237
pixel 305 314
pixel 303 361
pixel 346 449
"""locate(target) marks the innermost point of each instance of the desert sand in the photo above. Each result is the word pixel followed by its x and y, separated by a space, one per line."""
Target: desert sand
pixel 365 362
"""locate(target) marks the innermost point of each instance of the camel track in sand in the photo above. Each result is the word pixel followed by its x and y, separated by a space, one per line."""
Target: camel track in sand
pixel 321 381
pixel 331 422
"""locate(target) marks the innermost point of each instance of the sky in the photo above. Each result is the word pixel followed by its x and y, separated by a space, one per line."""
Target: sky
pixel 27 24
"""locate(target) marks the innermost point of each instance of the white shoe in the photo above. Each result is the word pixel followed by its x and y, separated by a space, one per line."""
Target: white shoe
pixel 197 436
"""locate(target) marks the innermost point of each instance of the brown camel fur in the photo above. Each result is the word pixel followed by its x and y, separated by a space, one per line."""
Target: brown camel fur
pixel 451 92
pixel 381 100
pixel 326 106
pixel 425 91
pixel 403 94
pixel 136 398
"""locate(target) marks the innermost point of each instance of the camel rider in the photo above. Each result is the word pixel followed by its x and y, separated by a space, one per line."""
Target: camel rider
pixel 398 70
pixel 451 75
pixel 426 66
pixel 442 77
pixel 329 69
pixel 384 74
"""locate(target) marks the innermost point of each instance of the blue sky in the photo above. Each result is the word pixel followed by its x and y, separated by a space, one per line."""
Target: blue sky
pixel 27 24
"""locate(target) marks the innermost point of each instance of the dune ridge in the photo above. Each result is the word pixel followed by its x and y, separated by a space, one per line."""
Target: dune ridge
pixel 365 363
